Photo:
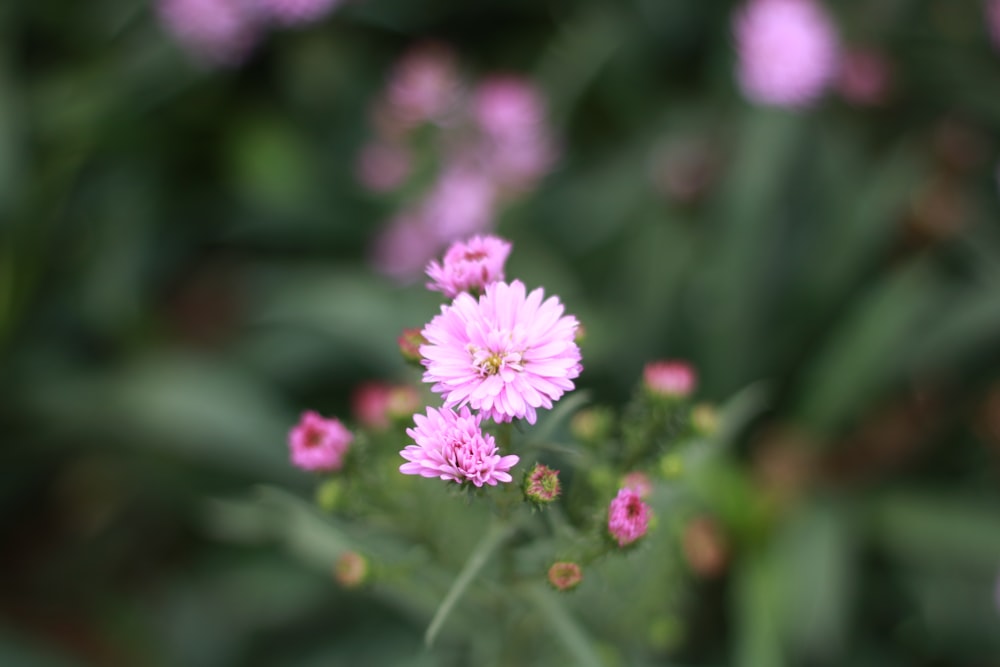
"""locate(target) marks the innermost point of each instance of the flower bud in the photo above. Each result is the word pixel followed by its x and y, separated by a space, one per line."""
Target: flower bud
pixel 409 344
pixel 351 569
pixel 565 575
pixel 669 379
pixel 592 425
pixel 541 485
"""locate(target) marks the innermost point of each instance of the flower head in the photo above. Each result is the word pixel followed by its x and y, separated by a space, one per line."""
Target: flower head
pixel 469 266
pixel 319 444
pixel 383 166
pixel 628 517
pixel 541 485
pixel 424 85
pixel 452 446
pixel 216 33
pixel 565 575
pixel 788 51
pixel 506 354
pixel 675 379
pixel 506 106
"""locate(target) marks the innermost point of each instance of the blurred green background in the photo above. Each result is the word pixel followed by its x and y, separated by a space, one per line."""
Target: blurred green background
pixel 184 268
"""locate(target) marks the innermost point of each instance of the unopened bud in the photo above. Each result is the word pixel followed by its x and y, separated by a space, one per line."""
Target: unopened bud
pixel 409 344
pixel 351 569
pixel 541 485
pixel 671 466
pixel 565 575
pixel 669 379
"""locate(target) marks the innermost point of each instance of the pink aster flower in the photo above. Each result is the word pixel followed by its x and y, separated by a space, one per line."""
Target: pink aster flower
pixel 319 444
pixel 296 12
pixel 452 446
pixel 628 517
pixel 403 248
pixel 216 33
pixel 788 51
pixel 424 86
pixel 460 203
pixel 669 378
pixel 506 354
pixel 505 106
pixel 469 266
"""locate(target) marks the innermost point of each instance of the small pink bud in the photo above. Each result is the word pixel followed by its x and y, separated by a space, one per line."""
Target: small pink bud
pixel 565 575
pixel 541 485
pixel 351 569
pixel 673 379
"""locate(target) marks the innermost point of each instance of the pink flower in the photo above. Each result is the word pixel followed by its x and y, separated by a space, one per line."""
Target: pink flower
pixel 383 166
pixel 319 444
pixel 506 106
pixel 669 378
pixel 788 51
pixel 376 404
pixel 628 517
pixel 216 33
pixel 517 149
pixel 424 86
pixel 469 266
pixel 295 12
pixel 864 77
pixel 452 446
pixel 506 354
pixel 461 203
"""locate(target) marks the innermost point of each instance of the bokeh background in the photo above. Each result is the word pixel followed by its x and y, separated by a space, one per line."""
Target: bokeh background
pixel 189 259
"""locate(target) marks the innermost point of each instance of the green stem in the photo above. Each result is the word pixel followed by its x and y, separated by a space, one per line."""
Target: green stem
pixel 496 536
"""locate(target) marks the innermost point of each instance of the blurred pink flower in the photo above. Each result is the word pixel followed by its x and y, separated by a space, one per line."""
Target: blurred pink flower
pixel 506 354
pixel 452 446
pixel 864 77
pixel 669 378
pixel 403 248
pixel 424 86
pixel 788 51
pixel 296 12
pixel 460 204
pixel 383 166
pixel 469 266
pixel 216 33
pixel 628 517
pixel 517 147
pixel 376 404
pixel 565 575
pixel 319 444
pixel 506 105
